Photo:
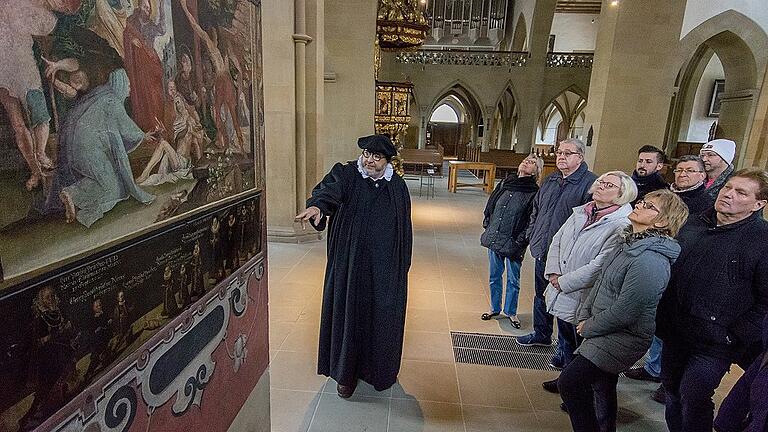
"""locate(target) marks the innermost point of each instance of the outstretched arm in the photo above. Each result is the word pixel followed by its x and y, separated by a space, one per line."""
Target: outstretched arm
pixel 209 44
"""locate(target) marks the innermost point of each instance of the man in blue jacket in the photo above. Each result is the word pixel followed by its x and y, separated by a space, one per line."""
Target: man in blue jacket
pixel 560 192
pixel 712 311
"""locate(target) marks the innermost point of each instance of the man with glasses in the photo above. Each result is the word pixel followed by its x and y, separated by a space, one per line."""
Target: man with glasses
pixel 690 184
pixel 366 278
pixel 647 175
pixel 717 156
pixel 560 192
pixel 711 313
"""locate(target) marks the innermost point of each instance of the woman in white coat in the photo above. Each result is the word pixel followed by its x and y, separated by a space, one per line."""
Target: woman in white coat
pixel 576 253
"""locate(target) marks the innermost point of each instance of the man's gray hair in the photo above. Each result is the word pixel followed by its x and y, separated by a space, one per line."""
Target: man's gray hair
pixel 579 144
pixel 692 158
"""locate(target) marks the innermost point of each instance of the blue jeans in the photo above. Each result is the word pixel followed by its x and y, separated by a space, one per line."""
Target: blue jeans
pixel 542 321
pixel 567 341
pixel 495 282
pixel 653 365
pixel 690 379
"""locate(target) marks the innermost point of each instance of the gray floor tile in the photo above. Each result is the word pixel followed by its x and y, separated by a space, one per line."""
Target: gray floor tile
pixel 410 415
pixel 427 381
pixel 492 386
pixel 427 346
pixel 493 419
pixel 356 414
pixel 292 411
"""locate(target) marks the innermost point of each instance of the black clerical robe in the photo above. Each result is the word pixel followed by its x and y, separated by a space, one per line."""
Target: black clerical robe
pixel 366 277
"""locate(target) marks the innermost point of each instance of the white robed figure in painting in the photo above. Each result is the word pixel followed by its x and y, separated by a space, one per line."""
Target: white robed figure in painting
pixel 94 172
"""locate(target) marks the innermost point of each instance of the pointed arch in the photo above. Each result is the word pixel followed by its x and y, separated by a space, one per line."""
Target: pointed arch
pixel 520 35
pixel 739 43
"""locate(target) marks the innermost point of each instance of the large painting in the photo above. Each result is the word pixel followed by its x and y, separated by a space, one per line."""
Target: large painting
pixel 118 117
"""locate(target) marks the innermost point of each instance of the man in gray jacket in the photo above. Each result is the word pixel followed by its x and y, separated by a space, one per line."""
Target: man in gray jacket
pixel 560 192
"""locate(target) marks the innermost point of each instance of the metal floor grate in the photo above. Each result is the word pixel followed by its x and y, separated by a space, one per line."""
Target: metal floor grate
pixel 500 350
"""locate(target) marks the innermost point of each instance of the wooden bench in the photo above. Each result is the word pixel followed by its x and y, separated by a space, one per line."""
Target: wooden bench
pixel 415 161
pixel 506 161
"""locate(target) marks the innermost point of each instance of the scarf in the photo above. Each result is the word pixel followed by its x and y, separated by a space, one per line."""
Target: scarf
pixel 594 214
pixel 628 236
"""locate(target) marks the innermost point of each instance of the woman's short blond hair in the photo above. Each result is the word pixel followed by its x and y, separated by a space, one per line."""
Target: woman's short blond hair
pixel 672 211
pixel 627 187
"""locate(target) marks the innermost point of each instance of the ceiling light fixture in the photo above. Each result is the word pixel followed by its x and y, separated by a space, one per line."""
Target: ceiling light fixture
pixel 615 3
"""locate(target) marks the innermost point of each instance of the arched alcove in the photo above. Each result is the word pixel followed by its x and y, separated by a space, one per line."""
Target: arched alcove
pixel 504 126
pixel 733 40
pixel 562 118
pixel 454 137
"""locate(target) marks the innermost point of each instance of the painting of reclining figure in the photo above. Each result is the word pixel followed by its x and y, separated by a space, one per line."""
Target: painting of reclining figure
pixel 117 115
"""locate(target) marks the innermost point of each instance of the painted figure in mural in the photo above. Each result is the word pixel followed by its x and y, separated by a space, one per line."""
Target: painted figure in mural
pixel 109 20
pixel 216 271
pixel 170 307
pixel 243 221
pixel 230 244
pixel 183 287
pixel 94 142
pixel 143 65
pixel 189 141
pixel 185 80
pixel 21 88
pixel 366 279
pixel 224 97
pixel 52 361
pixel 197 286
pixel 100 334
pixel 122 322
pixel 253 232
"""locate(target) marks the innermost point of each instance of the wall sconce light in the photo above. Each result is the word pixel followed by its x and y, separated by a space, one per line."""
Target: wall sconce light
pixel 615 3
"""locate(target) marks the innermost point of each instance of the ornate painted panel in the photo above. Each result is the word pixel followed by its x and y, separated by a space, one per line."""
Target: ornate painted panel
pixel 132 255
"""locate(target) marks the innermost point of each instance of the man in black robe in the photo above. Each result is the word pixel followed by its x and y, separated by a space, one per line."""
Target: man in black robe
pixel 366 278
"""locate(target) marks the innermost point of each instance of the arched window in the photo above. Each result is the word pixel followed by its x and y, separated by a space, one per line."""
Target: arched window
pixel 444 114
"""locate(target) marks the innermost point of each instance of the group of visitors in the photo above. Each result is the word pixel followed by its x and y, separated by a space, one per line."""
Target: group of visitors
pixel 627 263
pixel 623 263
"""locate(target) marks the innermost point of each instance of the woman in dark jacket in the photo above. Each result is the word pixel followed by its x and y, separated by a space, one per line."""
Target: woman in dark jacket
pixel 745 409
pixel 618 318
pixel 506 220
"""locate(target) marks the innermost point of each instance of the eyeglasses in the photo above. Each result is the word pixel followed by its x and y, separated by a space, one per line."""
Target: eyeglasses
pixel 687 171
pixel 376 156
pixel 606 185
pixel 647 205
pixel 708 154
pixel 566 153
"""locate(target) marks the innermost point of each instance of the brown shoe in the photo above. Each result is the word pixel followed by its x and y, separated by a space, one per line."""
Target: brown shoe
pixel 641 374
pixel 345 392
pixel 660 395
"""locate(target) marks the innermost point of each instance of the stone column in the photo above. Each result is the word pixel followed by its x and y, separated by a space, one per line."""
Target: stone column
pixel 632 79
pixel 423 122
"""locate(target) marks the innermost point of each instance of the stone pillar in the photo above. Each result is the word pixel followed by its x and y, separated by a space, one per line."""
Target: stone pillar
pixel 530 103
pixel 350 33
pixel 488 128
pixel 632 80
pixel 423 122
pixel 755 153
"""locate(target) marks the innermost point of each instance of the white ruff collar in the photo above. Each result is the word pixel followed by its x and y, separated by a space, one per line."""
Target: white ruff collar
pixel 388 171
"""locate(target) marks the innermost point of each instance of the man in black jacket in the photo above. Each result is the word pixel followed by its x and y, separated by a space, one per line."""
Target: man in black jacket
pixel 647 175
pixel 690 185
pixel 712 311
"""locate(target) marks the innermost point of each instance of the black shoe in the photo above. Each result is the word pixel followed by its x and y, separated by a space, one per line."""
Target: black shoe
pixel 551 386
pixel 557 363
pixel 563 407
pixel 488 315
pixel 345 392
pixel 660 395
pixel 641 374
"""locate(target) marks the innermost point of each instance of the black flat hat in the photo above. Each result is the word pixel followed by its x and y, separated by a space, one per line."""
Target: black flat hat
pixel 378 144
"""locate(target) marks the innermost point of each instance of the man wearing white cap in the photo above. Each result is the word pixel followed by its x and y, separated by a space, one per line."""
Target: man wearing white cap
pixel 718 163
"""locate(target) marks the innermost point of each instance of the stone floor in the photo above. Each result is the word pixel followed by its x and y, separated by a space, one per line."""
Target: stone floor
pixel 447 292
